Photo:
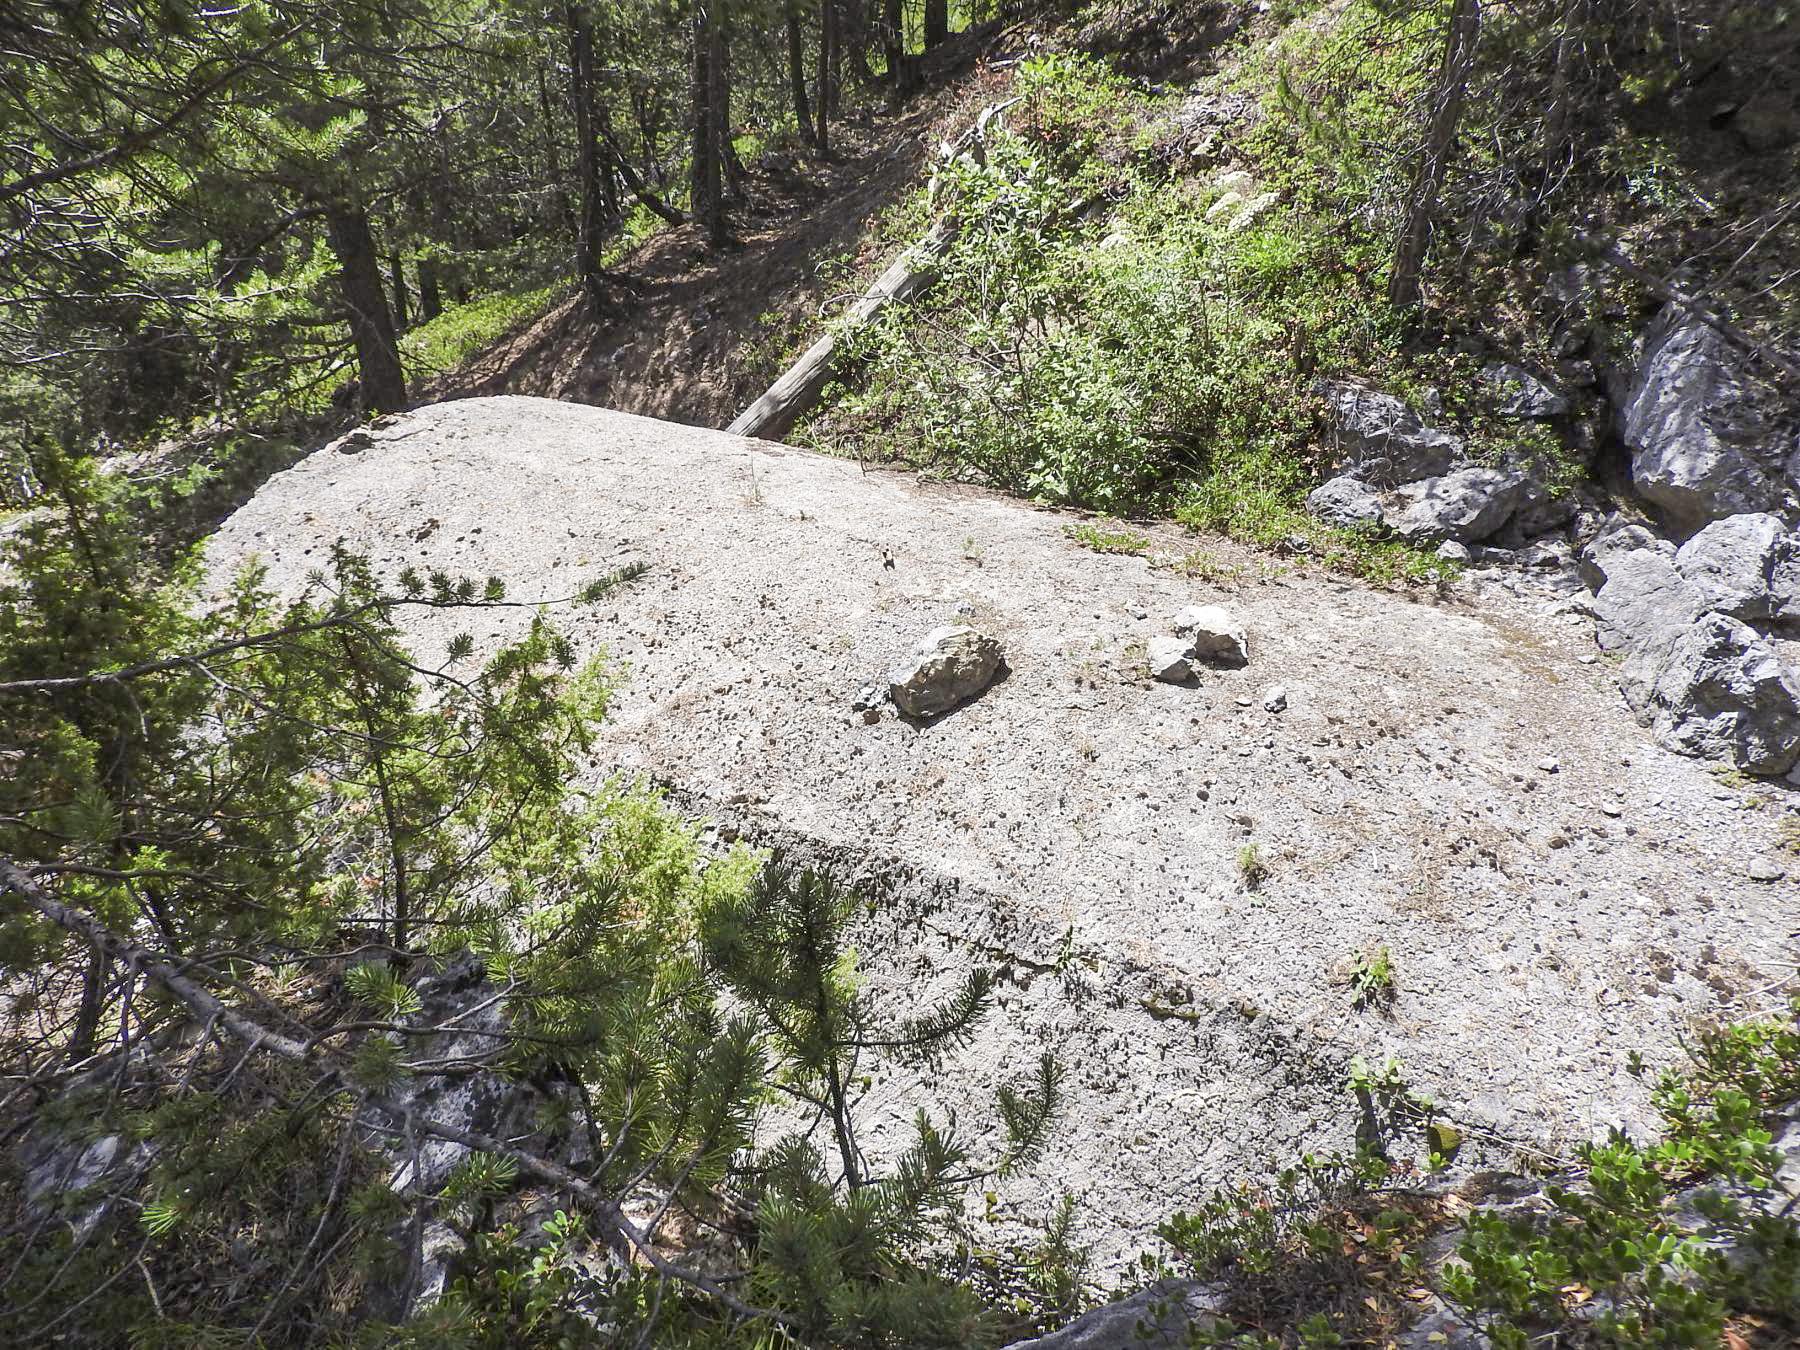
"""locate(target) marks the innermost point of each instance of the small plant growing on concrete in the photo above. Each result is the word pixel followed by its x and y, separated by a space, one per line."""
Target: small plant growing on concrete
pixel 1372 978
pixel 1097 535
pixel 1251 866
pixel 1787 834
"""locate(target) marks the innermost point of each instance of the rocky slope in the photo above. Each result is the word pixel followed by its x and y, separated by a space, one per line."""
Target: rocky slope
pixel 1453 777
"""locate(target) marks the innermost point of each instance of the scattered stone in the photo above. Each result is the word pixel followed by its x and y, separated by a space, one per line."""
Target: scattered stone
pixel 1466 505
pixel 354 442
pixel 1275 699
pixel 1214 633
pixel 1345 502
pixel 1698 449
pixel 1451 551
pixel 1548 764
pixel 1387 441
pixel 1170 660
pixel 1761 869
pixel 1612 809
pixel 949 667
pixel 1519 393
pixel 1165 1316
pixel 1545 554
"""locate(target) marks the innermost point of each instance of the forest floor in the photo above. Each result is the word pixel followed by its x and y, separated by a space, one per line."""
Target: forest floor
pixel 695 333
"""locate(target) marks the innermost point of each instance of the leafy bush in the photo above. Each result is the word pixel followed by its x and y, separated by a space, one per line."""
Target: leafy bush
pixel 1658 1244
pixel 1157 359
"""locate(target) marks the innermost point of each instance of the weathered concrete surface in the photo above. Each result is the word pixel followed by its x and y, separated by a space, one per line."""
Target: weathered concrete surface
pixel 1446 780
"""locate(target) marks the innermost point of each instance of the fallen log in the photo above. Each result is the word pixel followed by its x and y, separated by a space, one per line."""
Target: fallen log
pixel 773 415
pixel 798 389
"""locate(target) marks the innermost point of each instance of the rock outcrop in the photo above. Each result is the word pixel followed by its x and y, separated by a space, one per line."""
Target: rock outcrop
pixel 1466 505
pixel 1404 475
pixel 1385 442
pixel 1746 566
pixel 1169 1315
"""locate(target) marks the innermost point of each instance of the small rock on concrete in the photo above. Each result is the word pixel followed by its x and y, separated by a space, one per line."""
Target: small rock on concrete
pixel 1275 698
pixel 1761 869
pixel 1214 633
pixel 949 667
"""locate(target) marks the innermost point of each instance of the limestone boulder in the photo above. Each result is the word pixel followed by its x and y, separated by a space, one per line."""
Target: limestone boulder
pixel 1467 505
pixel 1169 1314
pixel 1516 392
pixel 1717 690
pixel 1699 449
pixel 1345 501
pixel 1645 602
pixel 1386 442
pixel 1747 566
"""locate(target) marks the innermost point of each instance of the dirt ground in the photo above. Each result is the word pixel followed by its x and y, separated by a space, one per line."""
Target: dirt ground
pixel 684 336
pixel 1449 780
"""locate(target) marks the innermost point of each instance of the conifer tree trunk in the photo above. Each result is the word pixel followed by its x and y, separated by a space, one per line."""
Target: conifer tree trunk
pixel 431 300
pixel 718 98
pixel 708 198
pixel 796 52
pixel 827 45
pixel 553 174
pixel 937 22
pixel 397 272
pixel 893 45
pixel 854 29
pixel 371 322
pixel 1446 112
pixel 587 157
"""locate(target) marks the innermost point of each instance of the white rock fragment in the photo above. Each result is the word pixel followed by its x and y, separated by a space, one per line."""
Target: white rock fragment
pixel 1170 660
pixel 1275 698
pixel 1214 633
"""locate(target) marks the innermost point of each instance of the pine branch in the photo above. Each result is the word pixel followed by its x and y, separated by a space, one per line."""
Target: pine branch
pixel 347 619
pixel 205 1007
